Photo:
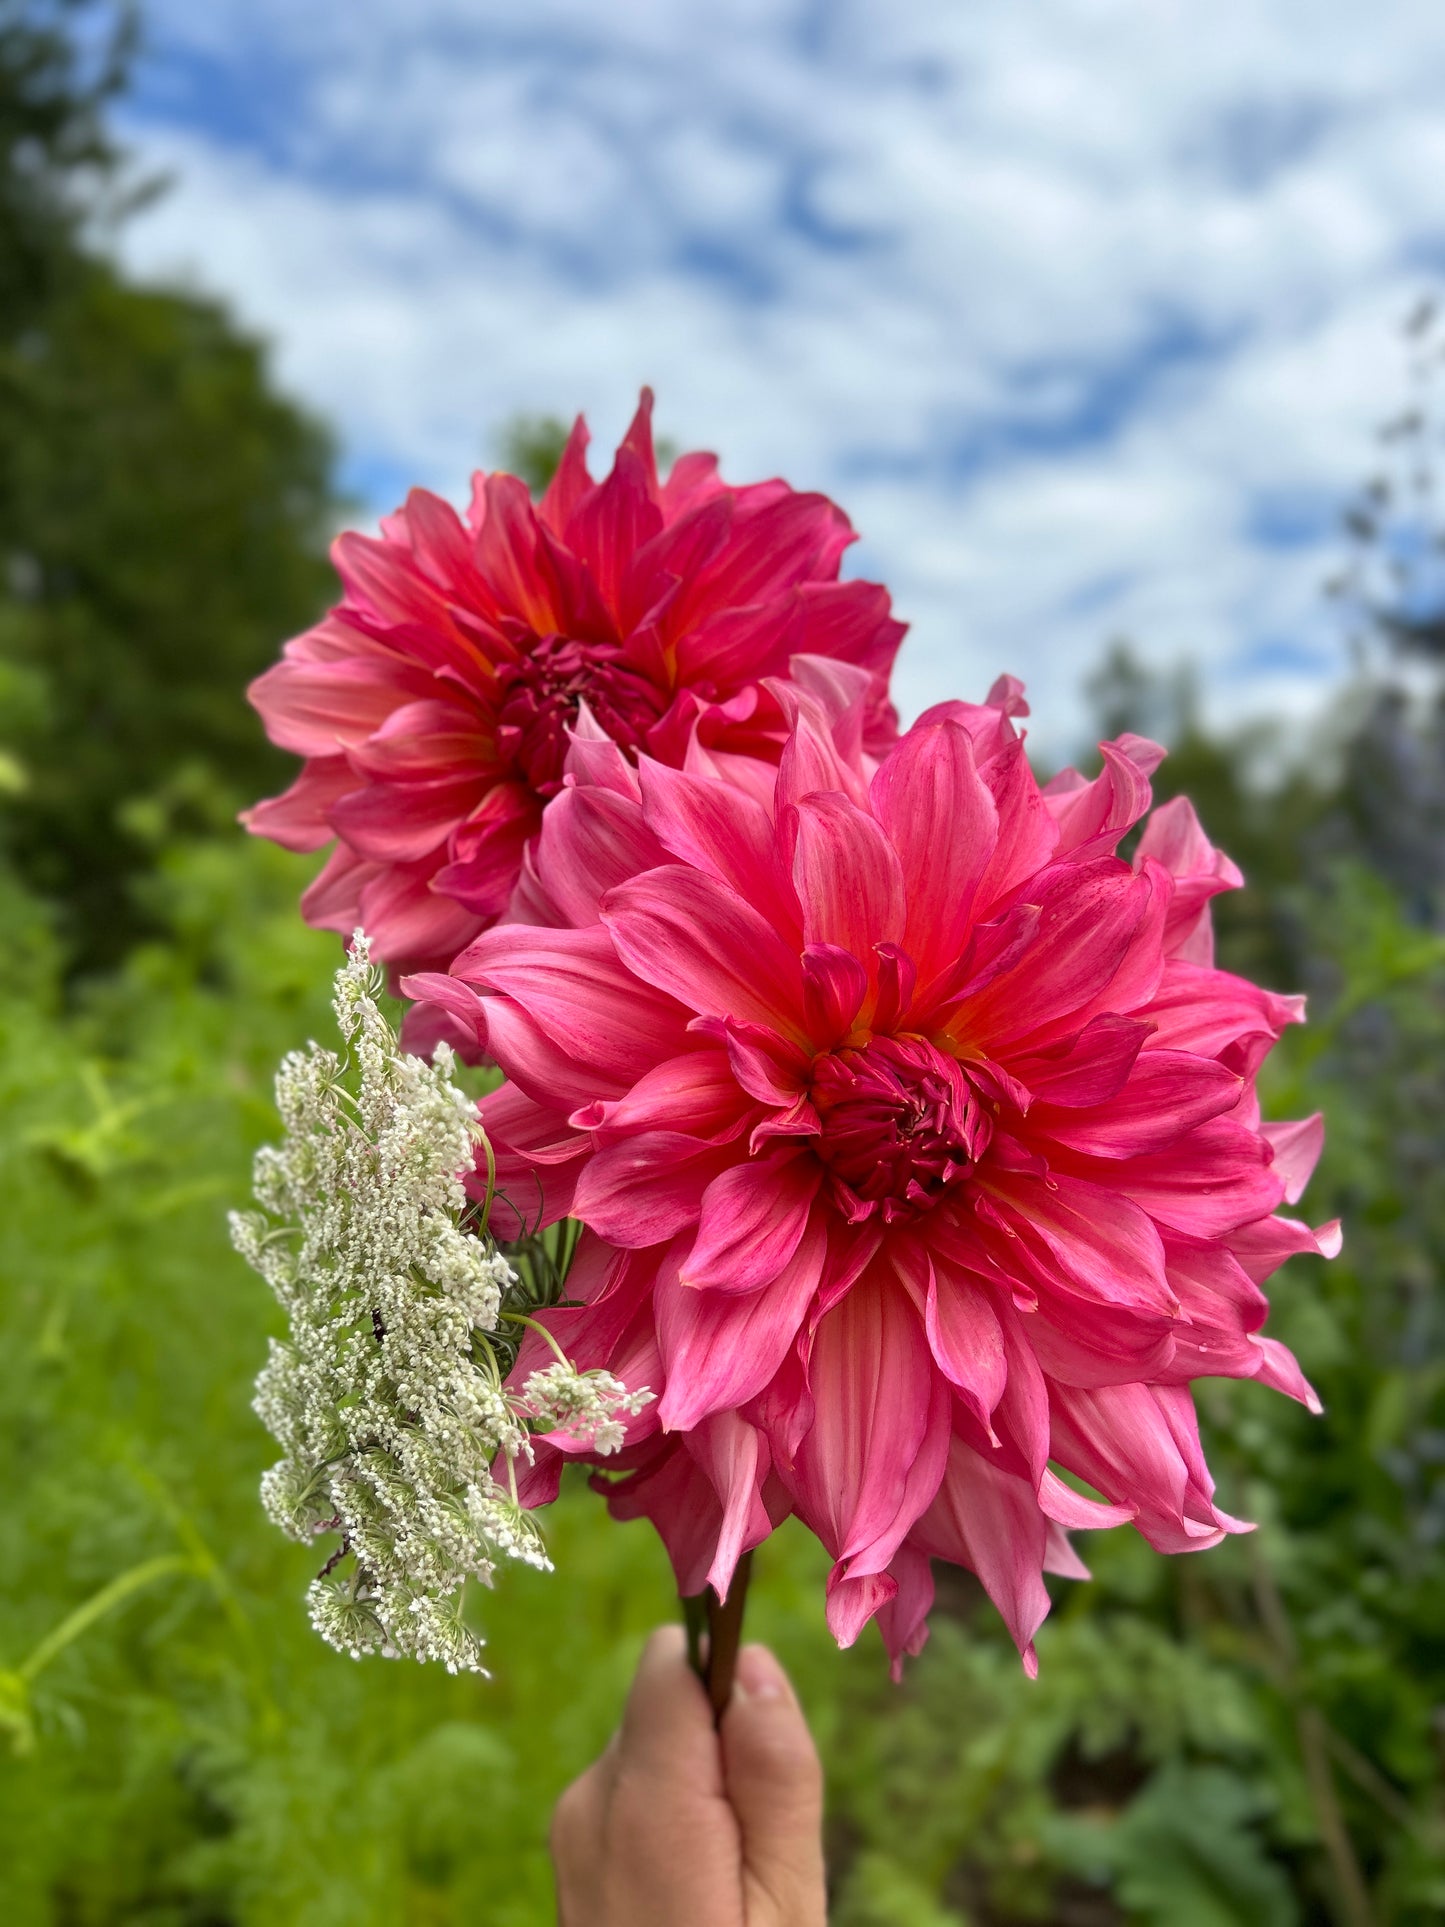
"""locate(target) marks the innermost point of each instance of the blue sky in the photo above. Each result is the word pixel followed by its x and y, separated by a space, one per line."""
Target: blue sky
pixel 1085 310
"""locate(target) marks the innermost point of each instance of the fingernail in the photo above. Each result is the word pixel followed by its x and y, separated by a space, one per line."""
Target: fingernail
pixel 760 1677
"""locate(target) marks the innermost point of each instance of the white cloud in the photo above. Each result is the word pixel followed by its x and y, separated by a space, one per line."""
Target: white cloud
pixel 1055 299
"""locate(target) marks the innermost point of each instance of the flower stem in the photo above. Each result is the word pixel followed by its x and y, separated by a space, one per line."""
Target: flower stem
pixel 714 1629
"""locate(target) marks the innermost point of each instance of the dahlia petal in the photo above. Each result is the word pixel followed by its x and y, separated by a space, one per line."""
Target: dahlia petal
pixel 1296 1148
pixel 852 1600
pixel 753 1217
pixel 1207 1182
pixel 873 1385
pixel 591 840
pixel 594 759
pixel 609 525
pixel 722 831
pixel 944 825
pixel 744 970
pixel 1139 1447
pixel 506 549
pixel 1093 817
pixel 1217 1015
pixel 851 622
pixel 1173 837
pixel 724 1348
pixel 1060 1556
pixel 408 922
pixel 536 1063
pixel 1221 1308
pixel 678 1497
pixel 847 875
pixel 1060 1503
pixel 779 539
pixel 417 739
pixel 570 480
pixel 770 1068
pixel 735 1457
pixel 1027 834
pixel 1263 1246
pixel 681 549
pixel 540 1483
pixel 1089 1068
pixel 919 1488
pixel 1088 923
pixel 440 541
pixel 1212 1284
pixel 578 990
pixel 512 1121
pixel 961 1327
pixel 1091 1345
pixel 732 645
pixel 649 1187
pixel 443 1010
pixel 785 1406
pixel 696 1094
pixel 903 1620
pixel 834 986
pixel 425 1026
pixel 990 1521
pixel 1101 1243
pixel 487 848
pixel 839 685
pixel 1278 1367
pixel 965 1339
pixel 692 478
pixel 381 577
pixel 317 708
pixel 332 900
pixel 300 818
pixel 639 438
pixel 403 822
pixel 811 764
pixel 1167 1094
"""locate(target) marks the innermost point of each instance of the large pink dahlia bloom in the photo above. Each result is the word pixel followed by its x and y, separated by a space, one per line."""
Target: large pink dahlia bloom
pixel 432 704
pixel 917 1139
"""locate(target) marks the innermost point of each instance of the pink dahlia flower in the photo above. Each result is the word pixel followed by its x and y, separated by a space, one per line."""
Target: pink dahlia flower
pixel 916 1137
pixel 432 704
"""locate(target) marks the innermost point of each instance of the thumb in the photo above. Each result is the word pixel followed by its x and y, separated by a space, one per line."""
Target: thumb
pixel 775 1788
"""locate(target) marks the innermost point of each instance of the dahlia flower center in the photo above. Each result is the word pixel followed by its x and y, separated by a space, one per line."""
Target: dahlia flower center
pixel 539 697
pixel 901 1123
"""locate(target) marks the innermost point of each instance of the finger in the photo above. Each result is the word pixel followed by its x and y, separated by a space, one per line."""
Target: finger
pixel 775 1784
pixel 667 1729
pixel 577 1836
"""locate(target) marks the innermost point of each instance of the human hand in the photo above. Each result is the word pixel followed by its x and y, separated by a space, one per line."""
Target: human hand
pixel 678 1825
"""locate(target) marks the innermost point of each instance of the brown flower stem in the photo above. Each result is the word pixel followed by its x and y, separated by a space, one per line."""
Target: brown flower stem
pixel 714 1629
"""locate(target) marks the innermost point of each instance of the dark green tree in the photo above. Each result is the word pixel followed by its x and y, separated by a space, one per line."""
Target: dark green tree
pixel 163 510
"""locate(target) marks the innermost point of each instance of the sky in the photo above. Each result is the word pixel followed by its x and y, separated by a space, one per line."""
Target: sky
pixel 1086 311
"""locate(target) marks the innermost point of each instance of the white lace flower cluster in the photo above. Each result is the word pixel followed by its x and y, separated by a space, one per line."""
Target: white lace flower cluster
pixel 389 1399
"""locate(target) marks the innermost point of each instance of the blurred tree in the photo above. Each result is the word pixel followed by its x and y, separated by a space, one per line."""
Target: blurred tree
pixel 163 512
pixel 531 446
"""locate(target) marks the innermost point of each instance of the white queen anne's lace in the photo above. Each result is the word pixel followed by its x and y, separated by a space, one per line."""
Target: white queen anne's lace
pixel 389 1400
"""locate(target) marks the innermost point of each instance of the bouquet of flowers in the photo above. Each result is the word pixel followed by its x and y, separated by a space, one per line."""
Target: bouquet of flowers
pixel 874 1142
